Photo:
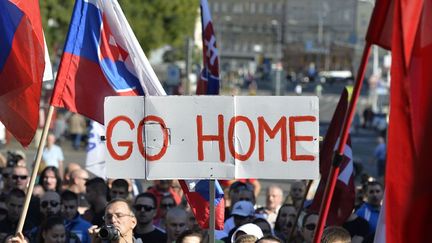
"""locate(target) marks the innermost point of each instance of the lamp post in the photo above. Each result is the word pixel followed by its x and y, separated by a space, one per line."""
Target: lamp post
pixel 278 55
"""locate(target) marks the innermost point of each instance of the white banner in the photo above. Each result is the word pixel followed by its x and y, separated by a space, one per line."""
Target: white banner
pixel 202 137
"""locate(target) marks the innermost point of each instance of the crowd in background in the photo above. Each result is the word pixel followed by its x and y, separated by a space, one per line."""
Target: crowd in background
pixel 67 201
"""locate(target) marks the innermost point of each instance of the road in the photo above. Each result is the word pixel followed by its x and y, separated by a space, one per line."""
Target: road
pixel 363 141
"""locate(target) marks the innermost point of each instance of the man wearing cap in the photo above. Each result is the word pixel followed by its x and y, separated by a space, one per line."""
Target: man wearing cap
pixel 247 229
pixel 243 212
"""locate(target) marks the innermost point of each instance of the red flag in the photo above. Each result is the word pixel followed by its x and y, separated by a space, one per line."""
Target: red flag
pixel 380 26
pixel 343 198
pixel 408 180
pixel 21 67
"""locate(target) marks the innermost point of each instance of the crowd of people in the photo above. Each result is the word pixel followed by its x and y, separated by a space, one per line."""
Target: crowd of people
pixel 69 204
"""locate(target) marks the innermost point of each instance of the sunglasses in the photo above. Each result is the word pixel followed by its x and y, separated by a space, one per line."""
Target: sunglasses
pixel 168 205
pixel 44 204
pixel 21 177
pixel 310 226
pixel 147 208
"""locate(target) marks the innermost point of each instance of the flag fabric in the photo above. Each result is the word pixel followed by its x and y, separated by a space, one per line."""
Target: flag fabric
pixel 380 27
pixel 21 67
pixel 408 195
pixel 197 192
pixel 344 194
pixel 208 82
pixel 95 158
pixel 380 230
pixel 101 57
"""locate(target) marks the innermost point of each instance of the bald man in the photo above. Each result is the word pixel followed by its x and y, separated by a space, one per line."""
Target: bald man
pixel 176 223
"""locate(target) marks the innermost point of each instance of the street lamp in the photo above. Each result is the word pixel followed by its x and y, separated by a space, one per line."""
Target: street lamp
pixel 278 56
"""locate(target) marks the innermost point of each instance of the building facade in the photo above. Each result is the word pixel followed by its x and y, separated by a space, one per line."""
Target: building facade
pixel 296 32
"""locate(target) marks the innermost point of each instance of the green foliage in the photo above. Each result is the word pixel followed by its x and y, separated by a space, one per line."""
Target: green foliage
pixel 154 22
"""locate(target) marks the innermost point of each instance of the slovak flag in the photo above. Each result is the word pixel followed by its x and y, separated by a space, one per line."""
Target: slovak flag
pixel 208 82
pixel 101 57
pixel 342 202
pixel 22 64
pixel 197 192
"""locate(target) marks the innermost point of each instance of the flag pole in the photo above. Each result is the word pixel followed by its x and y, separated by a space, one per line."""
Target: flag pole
pixel 35 170
pixel 334 172
pixel 212 211
pixel 290 236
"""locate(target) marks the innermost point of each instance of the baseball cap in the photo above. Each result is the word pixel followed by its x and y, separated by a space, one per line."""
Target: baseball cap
pixel 249 229
pixel 243 208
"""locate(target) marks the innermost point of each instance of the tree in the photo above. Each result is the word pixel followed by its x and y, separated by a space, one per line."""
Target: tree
pixel 155 22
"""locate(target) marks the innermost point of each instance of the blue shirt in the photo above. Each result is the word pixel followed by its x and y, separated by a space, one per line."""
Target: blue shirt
pixel 369 213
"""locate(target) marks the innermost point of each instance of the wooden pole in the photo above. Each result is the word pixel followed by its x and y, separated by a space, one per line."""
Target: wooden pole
pixel 212 211
pixel 35 170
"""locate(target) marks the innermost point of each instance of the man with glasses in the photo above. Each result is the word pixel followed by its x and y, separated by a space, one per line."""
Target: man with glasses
pixel 309 224
pixel 145 211
pixel 49 207
pixel 120 215
pixel 20 177
pixel 73 221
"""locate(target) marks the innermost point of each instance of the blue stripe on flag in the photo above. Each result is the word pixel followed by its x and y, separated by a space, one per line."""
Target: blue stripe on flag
pixel 10 17
pixel 84 31
pixel 119 77
pixel 203 188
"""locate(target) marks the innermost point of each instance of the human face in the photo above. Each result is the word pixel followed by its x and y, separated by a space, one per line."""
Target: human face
pixel 50 140
pixel 50 204
pixel 374 195
pixel 145 210
pixel 49 181
pixel 285 220
pixel 246 195
pixel 91 195
pixel 14 206
pixel 309 227
pixel 118 192
pixel 191 239
pixel 80 179
pixel 57 234
pixel 119 215
pixel 7 177
pixel 20 178
pixel 274 198
pixel 297 190
pixel 165 205
pixel 175 226
pixel 69 209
